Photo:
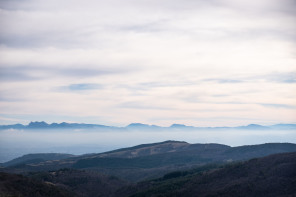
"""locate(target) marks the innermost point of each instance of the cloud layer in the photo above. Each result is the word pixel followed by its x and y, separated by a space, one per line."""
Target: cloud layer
pixel 203 63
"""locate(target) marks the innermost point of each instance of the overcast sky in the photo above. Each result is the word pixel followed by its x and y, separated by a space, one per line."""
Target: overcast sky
pixel 193 62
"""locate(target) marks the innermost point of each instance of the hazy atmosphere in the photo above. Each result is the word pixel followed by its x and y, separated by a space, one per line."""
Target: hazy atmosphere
pixel 199 63
pixel 193 62
pixel 17 143
pixel 121 98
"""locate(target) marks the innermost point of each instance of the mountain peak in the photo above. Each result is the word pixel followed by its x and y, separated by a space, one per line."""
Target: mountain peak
pixel 254 126
pixel 38 124
pixel 178 126
pixel 138 125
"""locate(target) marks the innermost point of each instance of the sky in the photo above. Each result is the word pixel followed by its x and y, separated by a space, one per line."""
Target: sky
pixel 193 62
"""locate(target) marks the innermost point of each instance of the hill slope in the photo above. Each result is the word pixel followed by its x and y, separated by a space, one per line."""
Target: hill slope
pixel 18 185
pixel 36 158
pixel 153 160
pixel 82 183
pixel 274 175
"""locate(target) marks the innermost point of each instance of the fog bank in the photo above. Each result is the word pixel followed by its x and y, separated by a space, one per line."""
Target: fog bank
pixel 15 143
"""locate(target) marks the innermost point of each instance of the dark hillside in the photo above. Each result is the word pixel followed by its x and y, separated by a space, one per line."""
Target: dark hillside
pixel 153 160
pixel 261 150
pixel 83 183
pixel 160 148
pixel 12 185
pixel 274 175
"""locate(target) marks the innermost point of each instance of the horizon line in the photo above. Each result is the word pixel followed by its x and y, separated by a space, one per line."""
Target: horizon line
pixel 135 123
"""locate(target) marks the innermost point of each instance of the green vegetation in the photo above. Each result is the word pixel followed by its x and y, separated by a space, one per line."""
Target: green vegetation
pixel 161 169
pixel 270 176
pixel 12 185
pixel 80 182
pixel 150 161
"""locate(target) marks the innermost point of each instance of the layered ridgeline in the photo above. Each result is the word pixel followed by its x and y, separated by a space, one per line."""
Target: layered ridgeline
pixel 139 126
pixel 36 158
pixel 177 169
pixel 147 160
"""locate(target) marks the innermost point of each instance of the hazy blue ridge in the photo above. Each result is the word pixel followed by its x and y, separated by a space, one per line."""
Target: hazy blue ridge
pixel 36 158
pixel 14 126
pixel 63 125
pixel 137 126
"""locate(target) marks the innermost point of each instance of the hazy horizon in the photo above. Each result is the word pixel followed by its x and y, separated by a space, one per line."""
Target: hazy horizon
pixel 157 62
pixel 207 72
pixel 120 126
pixel 82 141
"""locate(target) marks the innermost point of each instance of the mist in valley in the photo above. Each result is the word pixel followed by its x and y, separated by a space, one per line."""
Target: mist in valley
pixel 15 143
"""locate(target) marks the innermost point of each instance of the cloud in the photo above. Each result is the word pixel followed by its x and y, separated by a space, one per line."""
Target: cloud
pixel 274 77
pixel 224 80
pixel 289 77
pixel 31 73
pixel 138 60
pixel 272 105
pixel 102 25
pixel 143 106
pixel 15 74
pixel 81 87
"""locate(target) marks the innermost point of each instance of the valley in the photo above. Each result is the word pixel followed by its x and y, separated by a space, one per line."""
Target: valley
pixel 168 168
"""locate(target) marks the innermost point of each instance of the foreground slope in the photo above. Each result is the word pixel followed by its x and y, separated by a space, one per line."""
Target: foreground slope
pixel 80 182
pixel 60 183
pixel 20 186
pixel 274 175
pixel 269 176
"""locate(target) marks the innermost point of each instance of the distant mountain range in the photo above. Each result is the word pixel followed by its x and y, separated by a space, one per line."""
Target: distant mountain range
pixel 140 126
